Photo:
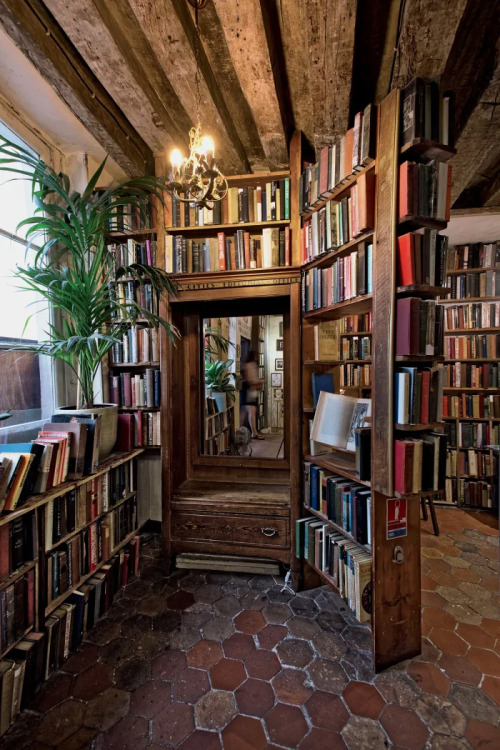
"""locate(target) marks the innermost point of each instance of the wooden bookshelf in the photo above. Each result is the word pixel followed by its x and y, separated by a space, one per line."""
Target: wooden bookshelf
pixel 409 223
pixel 335 526
pixel 422 290
pixel 337 192
pixel 424 149
pixel 325 259
pixel 354 306
pixel 207 229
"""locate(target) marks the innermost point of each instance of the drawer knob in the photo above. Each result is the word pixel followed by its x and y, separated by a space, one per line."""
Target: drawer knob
pixel 269 532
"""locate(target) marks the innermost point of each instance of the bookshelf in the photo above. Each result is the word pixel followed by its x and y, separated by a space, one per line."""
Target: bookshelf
pixel 395 611
pixel 132 376
pixel 472 387
pixel 44 528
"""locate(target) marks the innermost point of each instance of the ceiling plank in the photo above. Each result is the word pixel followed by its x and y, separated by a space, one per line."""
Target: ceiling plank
pixel 236 31
pixel 287 20
pixel 34 30
pixel 330 26
pixel 142 62
pixel 173 42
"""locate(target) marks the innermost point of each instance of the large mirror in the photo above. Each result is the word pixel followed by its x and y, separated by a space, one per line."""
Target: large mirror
pixel 243 400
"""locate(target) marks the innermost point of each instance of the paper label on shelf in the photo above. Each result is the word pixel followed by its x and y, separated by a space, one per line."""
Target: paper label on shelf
pixel 396 518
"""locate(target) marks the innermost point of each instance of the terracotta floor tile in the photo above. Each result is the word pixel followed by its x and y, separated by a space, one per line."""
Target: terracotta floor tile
pixel 286 725
pixel 460 669
pixel 482 736
pixel 326 711
pixel 290 686
pixel 491 686
pixel 438 619
pixel 180 600
pixel 238 646
pixel 106 709
pixel 488 662
pixel 173 724
pixel 294 652
pixel 94 680
pixel 448 642
pixel 404 727
pixel 204 654
pixel 61 722
pixel 301 627
pixel 429 678
pixel 262 664
pixel 328 676
pixel 244 733
pixel 190 685
pixel 53 692
pixel 427 583
pixel 361 733
pixel 227 674
pixel 363 699
pixel 322 739
pixel 249 622
pixel 271 635
pixel 168 665
pixel 254 697
pixel 131 731
pixel 200 740
pixel 149 699
pixel 432 599
pixel 475 635
pixel 215 709
pixel 492 627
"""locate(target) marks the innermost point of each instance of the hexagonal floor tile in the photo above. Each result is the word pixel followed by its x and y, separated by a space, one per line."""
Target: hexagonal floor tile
pixel 286 725
pixel 227 674
pixel 254 697
pixel 204 654
pixel 244 733
pixel 326 711
pixel 262 664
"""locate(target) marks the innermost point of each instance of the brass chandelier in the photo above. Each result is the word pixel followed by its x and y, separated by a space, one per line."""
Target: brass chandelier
pixel 197 178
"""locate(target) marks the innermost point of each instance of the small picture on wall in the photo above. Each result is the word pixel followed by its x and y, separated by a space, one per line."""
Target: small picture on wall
pixel 281 328
pixel 276 379
pixel 279 345
pixel 278 364
pixel 278 394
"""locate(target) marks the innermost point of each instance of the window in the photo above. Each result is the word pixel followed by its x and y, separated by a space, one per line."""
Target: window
pixel 25 379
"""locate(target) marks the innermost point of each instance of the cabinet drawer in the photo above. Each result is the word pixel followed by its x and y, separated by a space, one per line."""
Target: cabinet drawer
pixel 254 531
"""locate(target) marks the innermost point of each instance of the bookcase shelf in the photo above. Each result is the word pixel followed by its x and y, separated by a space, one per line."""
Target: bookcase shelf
pixel 410 223
pixel 133 365
pixel 17 641
pixel 333 362
pixel 421 290
pixel 4 582
pixel 457 331
pixel 337 192
pixel 472 419
pixel 465 300
pixel 335 526
pixel 138 408
pixel 127 234
pixel 418 427
pixel 206 229
pixel 418 495
pixel 353 306
pixel 461 271
pixel 355 333
pixel 426 150
pixel 478 389
pixel 473 359
pixel 339 465
pixel 325 259
pixel 418 358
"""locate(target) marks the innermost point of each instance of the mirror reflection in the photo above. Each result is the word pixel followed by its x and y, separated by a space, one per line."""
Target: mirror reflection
pixel 243 408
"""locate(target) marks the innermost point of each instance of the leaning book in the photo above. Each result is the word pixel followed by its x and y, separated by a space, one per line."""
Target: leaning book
pixel 337 418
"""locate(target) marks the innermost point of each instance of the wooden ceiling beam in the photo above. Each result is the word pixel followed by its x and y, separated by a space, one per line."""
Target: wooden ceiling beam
pixel 35 31
pixel 142 62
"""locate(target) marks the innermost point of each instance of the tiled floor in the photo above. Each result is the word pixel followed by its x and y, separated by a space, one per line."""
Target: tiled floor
pixel 209 661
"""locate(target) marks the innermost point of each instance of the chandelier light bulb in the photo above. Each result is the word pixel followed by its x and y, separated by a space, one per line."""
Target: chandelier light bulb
pixel 176 159
pixel 207 146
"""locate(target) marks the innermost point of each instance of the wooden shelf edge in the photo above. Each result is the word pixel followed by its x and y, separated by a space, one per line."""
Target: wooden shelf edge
pixel 340 309
pixel 422 290
pixel 418 495
pixel 336 466
pixel 208 228
pixel 409 222
pixel 133 364
pixel 468 331
pixel 138 408
pixel 17 641
pixel 130 233
pixel 419 358
pixel 5 582
pixel 321 517
pixel 460 271
pixel 467 300
pixel 423 148
pixel 60 599
pixel 418 427
pixel 337 191
pixel 324 259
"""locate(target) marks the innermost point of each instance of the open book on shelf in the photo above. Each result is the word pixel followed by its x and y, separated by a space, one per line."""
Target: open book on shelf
pixel 337 418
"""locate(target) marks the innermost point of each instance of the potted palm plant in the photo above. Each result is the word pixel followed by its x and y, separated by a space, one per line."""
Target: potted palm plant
pixel 218 382
pixel 75 273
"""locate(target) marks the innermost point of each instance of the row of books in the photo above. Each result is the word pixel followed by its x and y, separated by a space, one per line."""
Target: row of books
pixel 338 223
pixel 464 285
pixel 420 463
pixel 475 406
pixel 80 505
pixel 329 338
pixel 139 344
pixel 344 502
pixel 345 279
pixel 426 112
pixel 63 450
pixel 472 434
pixel 18 544
pixel 421 258
pixel 467 375
pixel 343 562
pixel 476 493
pixel 222 253
pixel 138 430
pixel 128 218
pixel 418 394
pixel 82 553
pixel 419 327
pixel 130 293
pixel 361 323
pixel 66 626
pixel 219 444
pixel 479 346
pixel 471 463
pixel 476 255
pixel 131 252
pixel 472 315
pixel 355 376
pixel 353 151
pixel 425 190
pixel 356 347
pixel 139 389
pixel 17 609
pixel 216 421
pixel 267 202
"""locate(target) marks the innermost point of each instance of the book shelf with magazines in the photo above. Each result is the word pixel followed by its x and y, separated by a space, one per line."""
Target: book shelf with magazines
pixel 471 405
pixel 63 555
pixel 133 369
pixel 360 526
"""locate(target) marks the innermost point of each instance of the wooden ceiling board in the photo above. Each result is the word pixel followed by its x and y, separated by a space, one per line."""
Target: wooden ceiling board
pixel 173 49
pixel 84 26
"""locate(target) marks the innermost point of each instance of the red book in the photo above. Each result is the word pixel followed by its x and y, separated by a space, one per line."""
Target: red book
pixel 221 240
pixel 406 259
pixel 233 254
pixel 425 396
pixel 323 172
pixel 246 247
pixel 349 145
pixel 124 570
pixel 406 189
pixel 4 551
pixel 125 433
pixel 403 466
pixel 114 389
pixel 287 247
pixel 407 325
pixel 365 201
pixel 93 546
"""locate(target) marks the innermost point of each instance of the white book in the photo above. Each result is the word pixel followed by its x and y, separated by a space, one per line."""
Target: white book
pixel 267 248
pixel 402 397
pixel 337 418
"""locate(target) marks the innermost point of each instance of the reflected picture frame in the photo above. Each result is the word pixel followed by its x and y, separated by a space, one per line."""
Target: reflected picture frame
pixel 278 364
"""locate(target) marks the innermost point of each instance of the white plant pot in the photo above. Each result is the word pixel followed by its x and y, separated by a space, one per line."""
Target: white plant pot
pixel 109 422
